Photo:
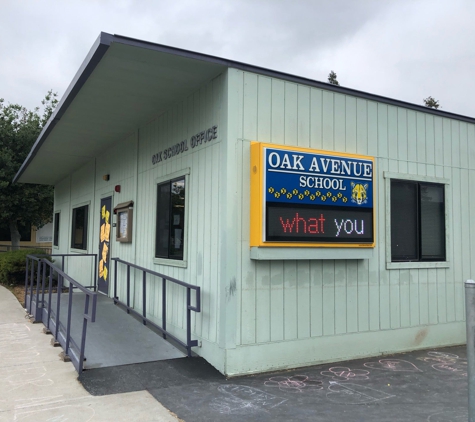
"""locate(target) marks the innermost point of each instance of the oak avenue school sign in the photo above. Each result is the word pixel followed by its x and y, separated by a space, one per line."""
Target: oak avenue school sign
pixel 303 197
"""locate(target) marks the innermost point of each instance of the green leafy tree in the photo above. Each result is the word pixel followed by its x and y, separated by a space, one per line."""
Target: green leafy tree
pixel 22 203
pixel 431 102
pixel 332 78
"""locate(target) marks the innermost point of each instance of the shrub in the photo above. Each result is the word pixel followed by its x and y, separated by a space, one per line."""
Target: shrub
pixel 13 265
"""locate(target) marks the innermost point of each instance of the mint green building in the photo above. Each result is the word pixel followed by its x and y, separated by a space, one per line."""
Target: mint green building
pixel 172 135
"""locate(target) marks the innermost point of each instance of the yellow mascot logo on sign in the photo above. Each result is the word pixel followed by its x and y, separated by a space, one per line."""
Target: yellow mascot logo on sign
pixel 358 193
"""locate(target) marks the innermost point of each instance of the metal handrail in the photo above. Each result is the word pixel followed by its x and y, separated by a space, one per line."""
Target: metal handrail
pixel 163 329
pixel 71 349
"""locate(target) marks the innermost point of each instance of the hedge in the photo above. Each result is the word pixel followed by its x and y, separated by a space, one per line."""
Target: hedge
pixel 13 265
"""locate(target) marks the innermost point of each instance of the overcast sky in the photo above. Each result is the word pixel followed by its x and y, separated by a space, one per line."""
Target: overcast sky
pixel 403 49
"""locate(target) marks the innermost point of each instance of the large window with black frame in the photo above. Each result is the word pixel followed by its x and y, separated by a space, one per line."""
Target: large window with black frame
pixel 79 227
pixel 417 221
pixel 170 229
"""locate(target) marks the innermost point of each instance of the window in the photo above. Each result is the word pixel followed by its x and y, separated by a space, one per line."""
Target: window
pixel 417 221
pixel 56 229
pixel 169 243
pixel 79 227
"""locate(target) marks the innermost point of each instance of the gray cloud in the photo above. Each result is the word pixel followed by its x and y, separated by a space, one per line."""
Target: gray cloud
pixel 399 48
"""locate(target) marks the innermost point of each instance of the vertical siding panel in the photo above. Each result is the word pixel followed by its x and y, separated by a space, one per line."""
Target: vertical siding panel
pixel 316 123
pixel 421 138
pixel 434 299
pixel 327 119
pixel 411 138
pixel 465 244
pixel 414 309
pixel 263 305
pixel 303 299
pixel 373 264
pixel 328 297
pixel 471 147
pixel 264 109
pixel 423 297
pixel 384 275
pixel 362 126
pixel 316 298
pixel 249 292
pixel 250 107
pixel 454 274
pixel 352 295
pixel 303 116
pixel 207 163
pixel 290 300
pixel 277 300
pixel 439 147
pixel 278 112
pixel 464 149
pixel 350 125
pixel 430 146
pixel 363 295
pixel 395 299
pixel 471 212
pixel 447 141
pixel 404 298
pixel 290 113
pixel 344 303
pixel 339 129
pixel 441 296
pixel 394 275
pixel 263 276
pixel 393 132
pixel 237 113
pixel 215 215
pixel 455 142
pixel 402 134
pixel 459 217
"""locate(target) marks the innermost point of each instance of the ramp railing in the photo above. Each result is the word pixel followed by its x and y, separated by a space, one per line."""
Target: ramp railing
pixel 143 316
pixel 43 302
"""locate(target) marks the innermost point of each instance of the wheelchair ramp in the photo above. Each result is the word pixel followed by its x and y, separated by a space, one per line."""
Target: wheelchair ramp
pixel 116 338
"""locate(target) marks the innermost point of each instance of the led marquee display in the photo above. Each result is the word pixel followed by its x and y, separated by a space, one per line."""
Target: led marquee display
pixel 303 197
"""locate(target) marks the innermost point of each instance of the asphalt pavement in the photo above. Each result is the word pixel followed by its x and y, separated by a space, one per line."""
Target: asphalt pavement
pixel 424 385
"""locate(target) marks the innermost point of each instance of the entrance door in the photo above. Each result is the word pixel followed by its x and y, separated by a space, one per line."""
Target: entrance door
pixel 104 245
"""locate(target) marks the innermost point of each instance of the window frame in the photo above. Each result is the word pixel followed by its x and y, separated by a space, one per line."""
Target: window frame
pixel 388 176
pixel 72 246
pixel 56 229
pixel 182 174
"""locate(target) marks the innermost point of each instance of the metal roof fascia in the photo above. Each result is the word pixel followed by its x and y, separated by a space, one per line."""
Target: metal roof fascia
pixel 92 59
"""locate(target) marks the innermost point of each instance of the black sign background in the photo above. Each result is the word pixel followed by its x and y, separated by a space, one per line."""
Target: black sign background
pixel 318 224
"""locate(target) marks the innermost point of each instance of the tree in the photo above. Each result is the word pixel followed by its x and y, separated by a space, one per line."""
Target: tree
pixel 332 78
pixel 22 203
pixel 431 102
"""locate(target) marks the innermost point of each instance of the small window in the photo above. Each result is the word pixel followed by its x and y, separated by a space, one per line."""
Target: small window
pixel 417 221
pixel 56 229
pixel 170 219
pixel 79 233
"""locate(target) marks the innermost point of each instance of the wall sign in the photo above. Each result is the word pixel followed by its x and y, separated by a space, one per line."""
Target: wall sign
pixel 303 197
pixel 196 140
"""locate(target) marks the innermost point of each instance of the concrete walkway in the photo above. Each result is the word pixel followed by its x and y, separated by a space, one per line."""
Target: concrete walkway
pixel 35 385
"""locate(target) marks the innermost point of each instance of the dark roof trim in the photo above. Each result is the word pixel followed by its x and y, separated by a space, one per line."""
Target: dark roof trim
pixel 105 40
pixel 288 77
pixel 87 67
